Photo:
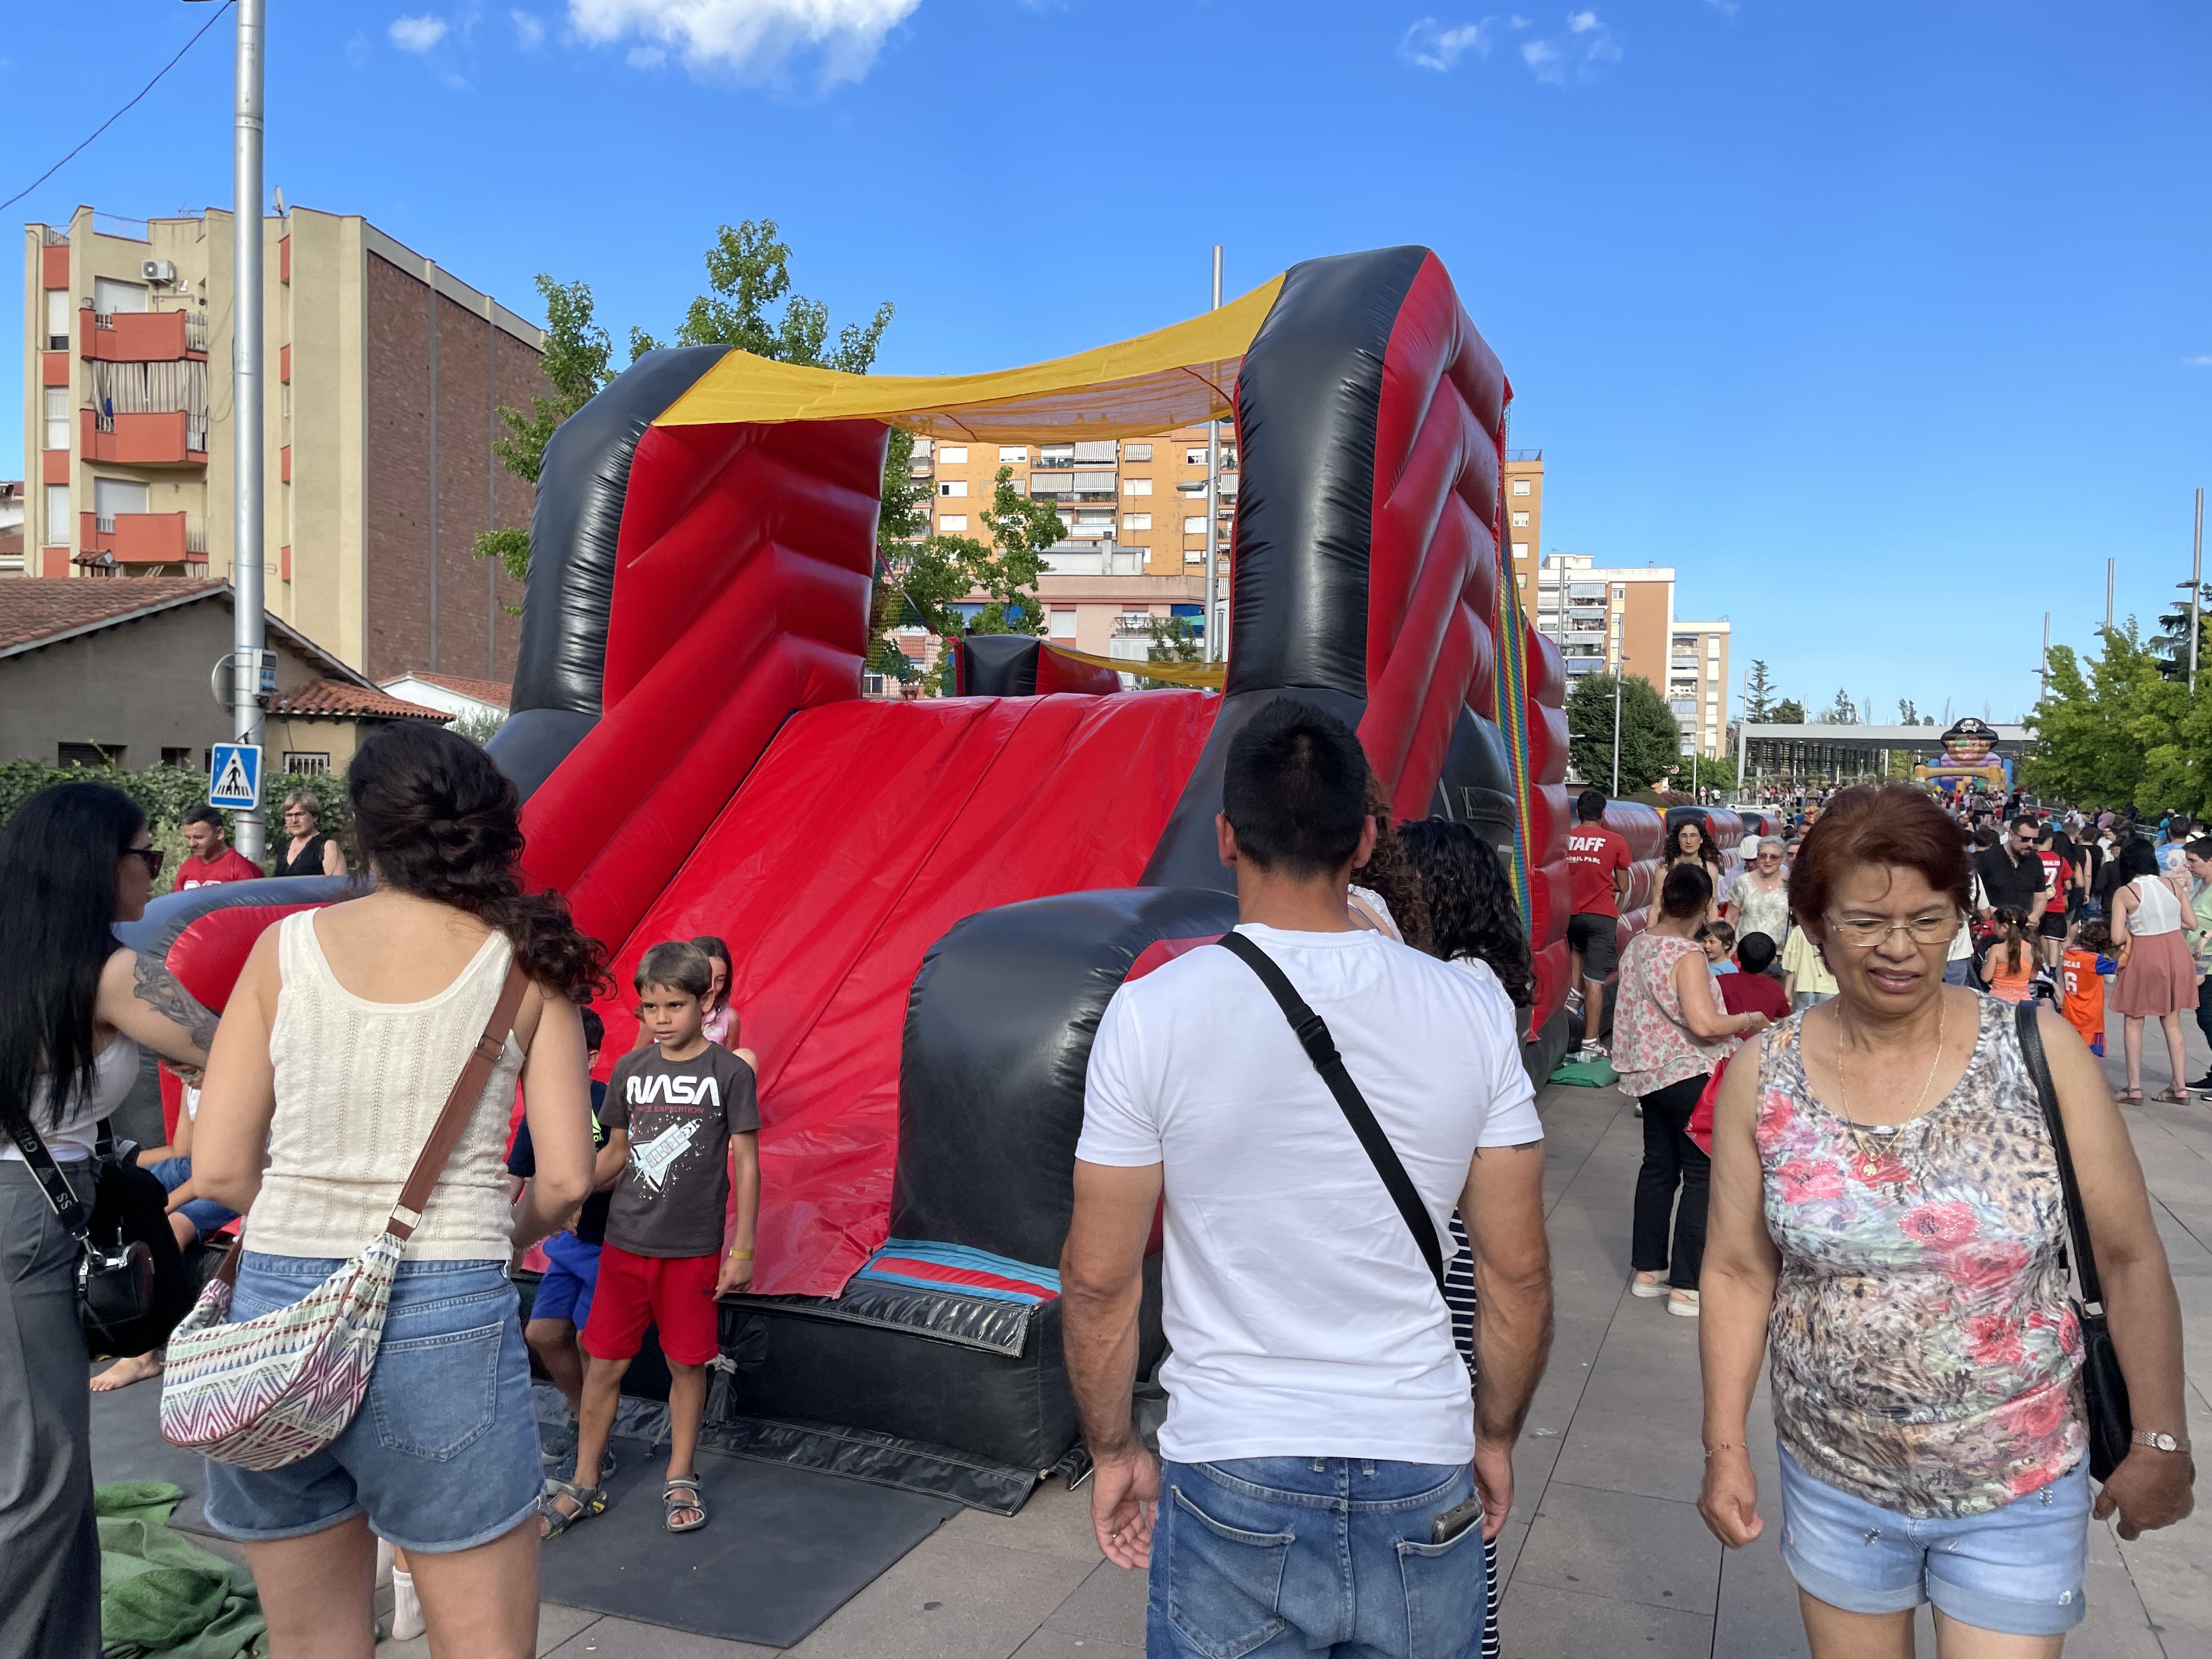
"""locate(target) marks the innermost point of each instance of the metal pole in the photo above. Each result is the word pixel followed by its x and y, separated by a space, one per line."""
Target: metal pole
pixel 1618 675
pixel 247 635
pixel 1214 652
pixel 2195 589
pixel 2108 595
pixel 2043 668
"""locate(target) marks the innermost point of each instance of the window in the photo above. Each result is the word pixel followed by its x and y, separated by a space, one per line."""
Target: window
pixel 953 487
pixel 1713 646
pixel 57 311
pixel 287 400
pixel 1063 624
pixel 1095 451
pixel 57 515
pixel 1013 454
pixel 1520 550
pixel 57 421
pixel 1136 486
pixel 1195 525
pixel 1056 455
pixel 1521 582
pixel 1136 521
pixel 1521 519
pixel 312 764
pixel 1136 452
pixel 109 296
pixel 954 454
pixel 88 754
pixel 1520 486
pixel 1195 555
pixel 112 495
pixel 1196 457
pixel 952 524
pixel 177 757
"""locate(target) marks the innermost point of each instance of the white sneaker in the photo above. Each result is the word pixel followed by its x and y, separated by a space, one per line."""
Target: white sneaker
pixel 1683 1303
pixel 406 1607
pixel 1647 1288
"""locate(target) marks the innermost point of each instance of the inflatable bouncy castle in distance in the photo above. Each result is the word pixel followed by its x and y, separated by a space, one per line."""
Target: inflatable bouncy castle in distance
pixel 930 903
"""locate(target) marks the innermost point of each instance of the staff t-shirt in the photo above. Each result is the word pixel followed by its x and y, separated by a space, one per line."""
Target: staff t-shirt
pixel 1303 1321
pixel 233 865
pixel 674 1193
pixel 1594 853
pixel 522 1164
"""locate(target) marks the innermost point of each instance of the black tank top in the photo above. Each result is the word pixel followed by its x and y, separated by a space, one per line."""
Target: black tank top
pixel 309 863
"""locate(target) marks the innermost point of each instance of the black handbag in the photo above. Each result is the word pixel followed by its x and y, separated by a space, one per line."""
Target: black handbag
pixel 2104 1386
pixel 1320 1049
pixel 131 1286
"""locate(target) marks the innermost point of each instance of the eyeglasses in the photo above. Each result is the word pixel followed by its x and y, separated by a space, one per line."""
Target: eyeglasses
pixel 153 855
pixel 1865 932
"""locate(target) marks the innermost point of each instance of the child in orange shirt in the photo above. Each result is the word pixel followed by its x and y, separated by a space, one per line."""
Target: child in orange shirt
pixel 2082 971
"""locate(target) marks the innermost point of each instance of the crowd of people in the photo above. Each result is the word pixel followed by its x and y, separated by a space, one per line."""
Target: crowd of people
pixel 1850 1174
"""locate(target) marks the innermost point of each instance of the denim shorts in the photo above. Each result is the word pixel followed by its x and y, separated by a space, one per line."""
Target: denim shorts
pixel 208 1218
pixel 2016 1571
pixel 443 1454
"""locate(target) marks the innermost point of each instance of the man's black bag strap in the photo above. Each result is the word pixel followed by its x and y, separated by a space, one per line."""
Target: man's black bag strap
pixel 1320 1049
pixel 2077 1223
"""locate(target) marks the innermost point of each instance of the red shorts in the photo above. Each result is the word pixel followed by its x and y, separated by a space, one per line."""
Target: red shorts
pixel 676 1292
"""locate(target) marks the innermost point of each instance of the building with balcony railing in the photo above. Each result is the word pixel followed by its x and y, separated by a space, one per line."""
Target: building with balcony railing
pixel 382 372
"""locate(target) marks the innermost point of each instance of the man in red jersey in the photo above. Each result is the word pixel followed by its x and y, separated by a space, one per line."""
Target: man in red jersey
pixel 1597 867
pixel 211 858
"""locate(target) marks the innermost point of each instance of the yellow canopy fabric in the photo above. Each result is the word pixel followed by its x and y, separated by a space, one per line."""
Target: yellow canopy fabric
pixel 1172 377
pixel 1207 675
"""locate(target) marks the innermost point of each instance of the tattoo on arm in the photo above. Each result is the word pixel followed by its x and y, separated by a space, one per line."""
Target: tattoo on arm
pixel 1520 1147
pixel 158 988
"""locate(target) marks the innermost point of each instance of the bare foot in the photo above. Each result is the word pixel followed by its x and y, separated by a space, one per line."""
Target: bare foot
pixel 124 1372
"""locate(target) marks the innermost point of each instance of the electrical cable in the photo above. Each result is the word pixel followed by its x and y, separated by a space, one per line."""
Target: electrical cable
pixel 121 114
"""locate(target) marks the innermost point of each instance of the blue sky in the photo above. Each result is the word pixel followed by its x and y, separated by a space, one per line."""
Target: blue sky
pixel 1885 322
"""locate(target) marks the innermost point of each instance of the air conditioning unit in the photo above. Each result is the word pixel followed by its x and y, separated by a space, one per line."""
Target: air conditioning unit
pixel 158 271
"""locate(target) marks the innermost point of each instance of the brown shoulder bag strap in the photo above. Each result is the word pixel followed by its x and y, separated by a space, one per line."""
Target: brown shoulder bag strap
pixel 468 1089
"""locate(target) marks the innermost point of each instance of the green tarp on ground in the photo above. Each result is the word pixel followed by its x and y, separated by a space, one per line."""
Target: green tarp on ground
pixel 1597 1073
pixel 163 1596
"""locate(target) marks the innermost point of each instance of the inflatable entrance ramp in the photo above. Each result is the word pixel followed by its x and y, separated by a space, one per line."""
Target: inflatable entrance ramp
pixel 930 904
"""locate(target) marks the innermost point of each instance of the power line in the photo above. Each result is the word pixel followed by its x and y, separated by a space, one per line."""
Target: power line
pixel 121 114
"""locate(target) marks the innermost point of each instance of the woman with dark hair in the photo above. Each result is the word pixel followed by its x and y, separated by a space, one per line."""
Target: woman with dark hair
pixel 1669 1030
pixel 1887 1229
pixel 75 1008
pixel 339 1046
pixel 2009 960
pixel 720 1019
pixel 2157 979
pixel 1690 841
pixel 1387 896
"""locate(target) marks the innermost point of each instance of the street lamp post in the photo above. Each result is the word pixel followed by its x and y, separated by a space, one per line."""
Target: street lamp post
pixel 1620 674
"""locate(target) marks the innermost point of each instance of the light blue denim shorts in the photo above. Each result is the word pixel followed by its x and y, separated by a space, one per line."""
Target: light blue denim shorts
pixel 2016 1571
pixel 443 1454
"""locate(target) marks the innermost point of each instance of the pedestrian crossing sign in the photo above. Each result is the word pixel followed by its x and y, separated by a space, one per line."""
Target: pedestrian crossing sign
pixel 234 776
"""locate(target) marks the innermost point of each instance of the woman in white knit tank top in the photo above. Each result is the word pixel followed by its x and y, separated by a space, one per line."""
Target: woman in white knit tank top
pixel 335 1056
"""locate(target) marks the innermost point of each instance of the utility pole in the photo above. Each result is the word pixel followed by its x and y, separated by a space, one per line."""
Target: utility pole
pixel 247 635
pixel 2108 595
pixel 2195 589
pixel 1620 674
pixel 1214 652
pixel 2043 667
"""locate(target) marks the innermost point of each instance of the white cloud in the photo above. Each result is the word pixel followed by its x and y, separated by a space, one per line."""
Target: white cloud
pixel 357 49
pixel 753 40
pixel 1588 41
pixel 645 57
pixel 2204 362
pixel 417 34
pixel 529 30
pixel 1581 22
pixel 1430 46
pixel 1726 8
pixel 1543 58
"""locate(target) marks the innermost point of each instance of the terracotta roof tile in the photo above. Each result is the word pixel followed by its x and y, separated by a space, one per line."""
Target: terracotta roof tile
pixel 333 699
pixel 494 692
pixel 33 609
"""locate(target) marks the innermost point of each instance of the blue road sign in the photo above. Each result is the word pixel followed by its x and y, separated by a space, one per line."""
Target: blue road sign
pixel 234 776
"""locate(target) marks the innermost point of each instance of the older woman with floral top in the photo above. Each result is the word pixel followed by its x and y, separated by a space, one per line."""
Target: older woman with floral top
pixel 1886 1228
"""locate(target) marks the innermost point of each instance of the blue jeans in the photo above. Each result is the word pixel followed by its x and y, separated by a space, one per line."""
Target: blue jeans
pixel 204 1213
pixel 1276 1556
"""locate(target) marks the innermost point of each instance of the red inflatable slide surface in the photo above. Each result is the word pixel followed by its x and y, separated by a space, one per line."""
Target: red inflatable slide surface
pixel 865 832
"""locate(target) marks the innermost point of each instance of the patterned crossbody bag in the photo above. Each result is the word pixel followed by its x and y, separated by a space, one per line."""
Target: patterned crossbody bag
pixel 265 1392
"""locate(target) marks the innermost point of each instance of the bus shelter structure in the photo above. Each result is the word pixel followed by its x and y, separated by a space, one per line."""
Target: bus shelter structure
pixel 1817 756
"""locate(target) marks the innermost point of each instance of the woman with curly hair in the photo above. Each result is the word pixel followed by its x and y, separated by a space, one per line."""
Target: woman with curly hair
pixel 1386 897
pixel 334 1058
pixel 1690 841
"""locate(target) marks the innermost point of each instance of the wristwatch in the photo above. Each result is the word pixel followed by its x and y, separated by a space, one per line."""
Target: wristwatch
pixel 2157 1441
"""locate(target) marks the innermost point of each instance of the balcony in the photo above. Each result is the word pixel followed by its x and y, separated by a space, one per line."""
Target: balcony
pixel 141 336
pixel 171 438
pixel 140 538
pixel 1063 559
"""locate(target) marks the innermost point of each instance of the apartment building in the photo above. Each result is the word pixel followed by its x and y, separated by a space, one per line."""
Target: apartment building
pixel 1601 616
pixel 1697 685
pixel 383 373
pixel 11 526
pixel 1524 519
pixel 1135 511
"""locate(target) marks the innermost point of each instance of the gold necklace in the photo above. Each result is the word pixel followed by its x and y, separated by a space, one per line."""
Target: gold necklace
pixel 1866 1148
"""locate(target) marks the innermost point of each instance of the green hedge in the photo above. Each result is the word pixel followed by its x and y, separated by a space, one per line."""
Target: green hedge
pixel 167 792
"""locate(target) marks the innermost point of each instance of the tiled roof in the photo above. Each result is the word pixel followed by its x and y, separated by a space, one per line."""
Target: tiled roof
pixel 494 692
pixel 33 609
pixel 335 699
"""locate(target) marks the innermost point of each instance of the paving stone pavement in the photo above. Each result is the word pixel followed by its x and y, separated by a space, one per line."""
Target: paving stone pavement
pixel 1605 1554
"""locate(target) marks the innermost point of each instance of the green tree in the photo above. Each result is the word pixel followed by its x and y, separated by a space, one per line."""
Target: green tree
pixel 2116 731
pixel 1173 641
pixel 1789 712
pixel 1906 713
pixel 575 364
pixel 1650 738
pixel 1714 774
pixel 1008 570
pixel 1759 693
pixel 749 271
pixel 1842 712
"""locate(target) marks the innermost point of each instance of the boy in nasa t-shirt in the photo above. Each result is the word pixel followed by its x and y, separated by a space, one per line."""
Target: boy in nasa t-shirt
pixel 674 1240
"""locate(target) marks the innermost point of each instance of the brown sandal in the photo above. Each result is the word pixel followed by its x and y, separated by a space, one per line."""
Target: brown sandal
pixel 2171 1095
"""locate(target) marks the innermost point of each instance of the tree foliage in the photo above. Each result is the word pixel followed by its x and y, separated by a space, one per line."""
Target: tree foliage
pixel 748 273
pixel 1759 693
pixel 1651 738
pixel 1842 712
pixel 1173 640
pixel 2114 731
pixel 1789 712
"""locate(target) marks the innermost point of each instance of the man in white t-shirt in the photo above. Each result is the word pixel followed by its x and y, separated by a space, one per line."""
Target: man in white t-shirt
pixel 1316 1489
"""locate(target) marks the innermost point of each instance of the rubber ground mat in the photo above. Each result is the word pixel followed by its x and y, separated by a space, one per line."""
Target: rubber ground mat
pixel 783 1548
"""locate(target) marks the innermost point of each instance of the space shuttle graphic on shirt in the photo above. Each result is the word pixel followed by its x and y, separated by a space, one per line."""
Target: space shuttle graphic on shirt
pixel 653 1159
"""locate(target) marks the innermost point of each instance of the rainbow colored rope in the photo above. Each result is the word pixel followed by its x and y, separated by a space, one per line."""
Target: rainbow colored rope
pixel 1509 633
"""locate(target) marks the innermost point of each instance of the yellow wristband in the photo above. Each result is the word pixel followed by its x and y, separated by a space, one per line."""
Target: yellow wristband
pixel 737 1254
